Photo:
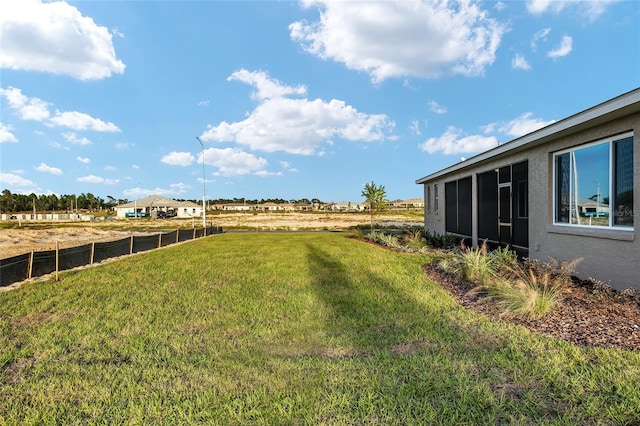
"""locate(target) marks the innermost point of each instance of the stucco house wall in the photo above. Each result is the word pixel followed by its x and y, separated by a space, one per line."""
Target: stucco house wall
pixel 608 254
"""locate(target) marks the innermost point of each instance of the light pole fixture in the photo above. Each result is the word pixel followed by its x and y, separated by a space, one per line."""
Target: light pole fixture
pixel 204 190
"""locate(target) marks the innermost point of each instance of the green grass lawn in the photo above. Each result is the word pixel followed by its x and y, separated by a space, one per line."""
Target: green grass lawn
pixel 287 328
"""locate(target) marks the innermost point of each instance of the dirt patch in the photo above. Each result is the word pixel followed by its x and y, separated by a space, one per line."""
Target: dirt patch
pixel 23 240
pixel 18 241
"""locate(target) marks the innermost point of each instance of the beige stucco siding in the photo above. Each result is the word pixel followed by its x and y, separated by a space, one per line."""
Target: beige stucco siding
pixel 611 255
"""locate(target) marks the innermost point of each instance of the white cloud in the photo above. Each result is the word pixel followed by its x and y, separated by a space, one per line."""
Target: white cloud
pixel 123 145
pixel 521 125
pixel 71 137
pixel 203 103
pixel 232 161
pixel 398 39
pixel 97 179
pixel 566 45
pixel 437 108
pixel 264 173
pixel 450 142
pixel 266 87
pixel 175 189
pixel 287 166
pixel 110 168
pixel 520 63
pixel 591 9
pixel 178 158
pixel 179 188
pixel 81 121
pixel 299 126
pixel 43 167
pixel 11 179
pixel 55 37
pixel 500 6
pixel 27 108
pixel 539 35
pixel 415 127
pixel 83 160
pixel 5 133
pixel 38 110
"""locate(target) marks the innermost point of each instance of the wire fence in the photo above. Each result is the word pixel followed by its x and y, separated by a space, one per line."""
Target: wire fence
pixel 39 263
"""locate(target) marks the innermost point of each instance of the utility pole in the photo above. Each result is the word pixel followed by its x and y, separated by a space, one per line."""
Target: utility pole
pixel 204 191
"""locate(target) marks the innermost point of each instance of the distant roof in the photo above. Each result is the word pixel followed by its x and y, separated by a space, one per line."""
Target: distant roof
pixel 620 106
pixel 158 201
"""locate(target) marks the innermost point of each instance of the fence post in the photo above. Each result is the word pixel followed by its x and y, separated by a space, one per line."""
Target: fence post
pixel 131 245
pixel 93 250
pixel 30 265
pixel 160 240
pixel 177 235
pixel 194 234
pixel 57 258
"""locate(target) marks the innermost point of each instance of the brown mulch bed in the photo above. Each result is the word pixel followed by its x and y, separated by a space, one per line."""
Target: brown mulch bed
pixel 589 315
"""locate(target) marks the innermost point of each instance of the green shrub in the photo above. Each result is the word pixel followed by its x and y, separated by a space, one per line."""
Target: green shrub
pixel 503 258
pixel 414 239
pixel 444 241
pixel 470 264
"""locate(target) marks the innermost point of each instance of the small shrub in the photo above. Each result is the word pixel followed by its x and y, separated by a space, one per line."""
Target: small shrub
pixel 445 241
pixel 503 259
pixel 414 239
pixel 390 240
pixel 470 264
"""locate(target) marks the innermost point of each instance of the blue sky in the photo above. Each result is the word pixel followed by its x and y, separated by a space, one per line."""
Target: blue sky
pixel 292 100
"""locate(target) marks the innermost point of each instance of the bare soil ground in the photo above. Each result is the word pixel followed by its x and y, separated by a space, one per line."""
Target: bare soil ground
pixel 41 235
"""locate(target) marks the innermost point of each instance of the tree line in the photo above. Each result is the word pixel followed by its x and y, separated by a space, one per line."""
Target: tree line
pixel 14 203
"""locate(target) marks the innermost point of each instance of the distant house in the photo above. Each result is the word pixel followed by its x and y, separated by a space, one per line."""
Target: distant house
pixel 153 204
pixel 565 191
pixel 413 203
pixel 237 207
pixel 303 207
pixel 271 207
pixel 345 206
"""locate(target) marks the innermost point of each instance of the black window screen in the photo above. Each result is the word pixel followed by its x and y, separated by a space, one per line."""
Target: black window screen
pixel 464 206
pixel 504 174
pixel 451 206
pixel 488 205
pixel 457 197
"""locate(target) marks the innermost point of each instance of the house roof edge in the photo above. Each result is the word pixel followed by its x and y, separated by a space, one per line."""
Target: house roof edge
pixel 625 104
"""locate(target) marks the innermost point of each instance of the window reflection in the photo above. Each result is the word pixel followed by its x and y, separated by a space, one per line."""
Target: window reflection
pixel 587 177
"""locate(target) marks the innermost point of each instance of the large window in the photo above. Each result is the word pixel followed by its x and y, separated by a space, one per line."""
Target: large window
pixel 594 184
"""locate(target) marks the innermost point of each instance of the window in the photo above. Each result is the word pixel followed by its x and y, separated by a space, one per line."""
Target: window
pixel 428 198
pixel 522 200
pixel 594 184
pixel 435 198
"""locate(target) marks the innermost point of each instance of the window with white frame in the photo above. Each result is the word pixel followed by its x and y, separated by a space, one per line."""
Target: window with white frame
pixel 435 198
pixel 593 184
pixel 428 198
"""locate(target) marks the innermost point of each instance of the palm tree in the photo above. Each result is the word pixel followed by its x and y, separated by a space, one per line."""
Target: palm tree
pixel 376 197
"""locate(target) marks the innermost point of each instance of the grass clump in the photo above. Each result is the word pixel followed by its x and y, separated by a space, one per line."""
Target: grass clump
pixel 532 288
pixel 526 289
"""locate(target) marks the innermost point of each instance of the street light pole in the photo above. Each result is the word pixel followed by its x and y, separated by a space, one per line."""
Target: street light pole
pixel 204 191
